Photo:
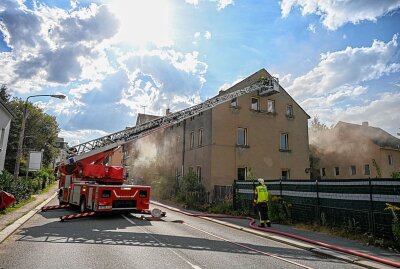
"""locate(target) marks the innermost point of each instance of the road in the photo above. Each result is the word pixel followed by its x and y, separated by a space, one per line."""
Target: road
pixel 127 241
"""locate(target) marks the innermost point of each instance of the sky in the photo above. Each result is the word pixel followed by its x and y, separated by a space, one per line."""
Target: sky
pixel 339 59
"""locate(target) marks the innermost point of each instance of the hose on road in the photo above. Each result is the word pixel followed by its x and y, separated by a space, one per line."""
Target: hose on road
pixel 252 225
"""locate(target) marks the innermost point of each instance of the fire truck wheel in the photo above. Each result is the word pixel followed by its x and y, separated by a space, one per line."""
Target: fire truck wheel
pixel 82 205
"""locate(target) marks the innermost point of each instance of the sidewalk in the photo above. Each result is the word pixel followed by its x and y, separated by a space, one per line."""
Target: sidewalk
pixel 10 218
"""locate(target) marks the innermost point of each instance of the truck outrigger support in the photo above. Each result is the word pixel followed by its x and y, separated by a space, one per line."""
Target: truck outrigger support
pixel 52 207
pixel 76 216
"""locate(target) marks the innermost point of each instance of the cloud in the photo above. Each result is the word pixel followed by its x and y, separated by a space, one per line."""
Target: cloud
pixel 51 46
pixel 347 67
pixel 334 14
pixel 207 35
pixel 193 2
pixel 224 3
pixel 80 136
pixel 381 113
pixel 311 27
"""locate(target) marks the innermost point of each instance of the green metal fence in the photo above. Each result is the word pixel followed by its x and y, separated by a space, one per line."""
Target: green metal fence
pixel 357 205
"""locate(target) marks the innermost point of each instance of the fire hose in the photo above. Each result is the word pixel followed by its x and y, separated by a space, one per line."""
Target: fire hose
pixel 252 225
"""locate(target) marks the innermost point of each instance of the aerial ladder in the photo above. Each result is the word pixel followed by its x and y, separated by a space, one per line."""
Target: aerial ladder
pixel 85 182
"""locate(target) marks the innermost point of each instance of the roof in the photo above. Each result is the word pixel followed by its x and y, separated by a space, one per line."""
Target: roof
pixel 255 78
pixel 7 108
pixel 375 134
pixel 142 118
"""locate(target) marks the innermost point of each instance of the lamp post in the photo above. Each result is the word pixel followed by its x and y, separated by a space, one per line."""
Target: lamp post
pixel 21 133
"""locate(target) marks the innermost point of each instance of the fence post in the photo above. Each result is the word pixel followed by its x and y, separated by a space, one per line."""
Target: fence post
pixel 234 195
pixel 318 202
pixel 280 186
pixel 371 218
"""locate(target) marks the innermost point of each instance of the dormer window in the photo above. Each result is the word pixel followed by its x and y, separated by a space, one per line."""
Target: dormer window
pixel 234 102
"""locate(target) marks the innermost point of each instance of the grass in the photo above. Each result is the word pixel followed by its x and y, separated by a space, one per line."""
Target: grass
pixel 48 187
pixel 17 206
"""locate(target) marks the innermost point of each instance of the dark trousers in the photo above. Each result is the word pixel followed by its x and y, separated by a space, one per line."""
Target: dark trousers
pixel 263 212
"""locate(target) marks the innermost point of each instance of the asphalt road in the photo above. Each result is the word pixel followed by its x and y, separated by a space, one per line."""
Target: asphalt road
pixel 127 241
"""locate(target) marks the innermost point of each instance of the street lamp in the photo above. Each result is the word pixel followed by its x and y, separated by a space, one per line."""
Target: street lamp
pixel 21 134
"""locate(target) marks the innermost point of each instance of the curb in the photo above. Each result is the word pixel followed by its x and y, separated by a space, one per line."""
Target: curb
pixel 306 246
pixel 10 229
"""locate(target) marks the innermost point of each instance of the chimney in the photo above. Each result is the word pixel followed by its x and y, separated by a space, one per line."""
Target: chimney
pixel 365 123
pixel 167 112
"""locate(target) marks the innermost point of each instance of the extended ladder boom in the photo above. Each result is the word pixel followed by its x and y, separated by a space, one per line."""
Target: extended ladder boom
pixel 266 86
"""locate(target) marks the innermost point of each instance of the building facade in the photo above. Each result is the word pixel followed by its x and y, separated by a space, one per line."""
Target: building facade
pixel 6 115
pixel 352 151
pixel 267 135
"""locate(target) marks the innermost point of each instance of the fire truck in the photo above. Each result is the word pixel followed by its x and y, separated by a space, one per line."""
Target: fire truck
pixel 87 183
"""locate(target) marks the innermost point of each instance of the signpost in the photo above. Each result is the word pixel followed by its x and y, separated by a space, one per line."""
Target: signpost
pixel 35 161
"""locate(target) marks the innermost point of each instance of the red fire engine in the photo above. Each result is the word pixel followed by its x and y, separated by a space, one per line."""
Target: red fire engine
pixel 87 183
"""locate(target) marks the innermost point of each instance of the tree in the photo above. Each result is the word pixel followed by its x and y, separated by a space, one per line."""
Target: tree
pixel 316 129
pixel 4 95
pixel 41 133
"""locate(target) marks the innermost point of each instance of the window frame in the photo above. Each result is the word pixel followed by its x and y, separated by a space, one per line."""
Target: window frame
pixel 245 136
pixel 289 111
pixel 353 170
pixel 270 101
pixel 191 140
pixel 336 170
pixel 390 159
pixel 245 173
pixel 198 173
pixel 286 141
pixel 323 172
pixel 200 137
pixel 258 103
pixel 234 102
pixel 365 170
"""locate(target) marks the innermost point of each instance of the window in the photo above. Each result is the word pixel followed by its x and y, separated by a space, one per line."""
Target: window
pixel 200 114
pixel 271 106
pixel 289 111
pixel 390 159
pixel 353 170
pixel 198 173
pixel 366 170
pixel 255 103
pixel 284 143
pixel 336 171
pixel 191 140
pixel 234 102
pixel 2 137
pixel 241 173
pixel 191 118
pixel 285 174
pixel 323 172
pixel 242 136
pixel 200 138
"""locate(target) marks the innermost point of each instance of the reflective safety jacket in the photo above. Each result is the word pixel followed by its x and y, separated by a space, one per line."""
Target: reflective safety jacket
pixel 261 194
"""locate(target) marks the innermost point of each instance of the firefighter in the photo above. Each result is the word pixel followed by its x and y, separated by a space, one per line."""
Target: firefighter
pixel 261 201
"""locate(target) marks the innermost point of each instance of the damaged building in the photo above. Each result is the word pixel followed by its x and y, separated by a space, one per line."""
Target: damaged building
pixel 353 151
pixel 267 134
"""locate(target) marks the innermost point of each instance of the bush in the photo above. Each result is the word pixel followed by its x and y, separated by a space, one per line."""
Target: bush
pixel 279 210
pixel 396 221
pixel 19 188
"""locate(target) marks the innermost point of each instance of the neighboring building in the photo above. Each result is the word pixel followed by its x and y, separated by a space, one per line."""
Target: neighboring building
pixel 267 134
pixel 63 146
pixel 6 115
pixel 352 151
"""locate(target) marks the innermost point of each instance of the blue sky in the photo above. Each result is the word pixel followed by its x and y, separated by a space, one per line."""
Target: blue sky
pixel 340 60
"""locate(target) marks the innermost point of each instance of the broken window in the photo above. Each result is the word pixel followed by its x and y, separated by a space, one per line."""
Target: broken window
pixel 241 136
pixel 255 103
pixel 234 102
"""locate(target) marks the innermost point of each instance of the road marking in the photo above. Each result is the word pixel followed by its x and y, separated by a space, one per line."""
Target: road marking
pixel 249 248
pixel 173 251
